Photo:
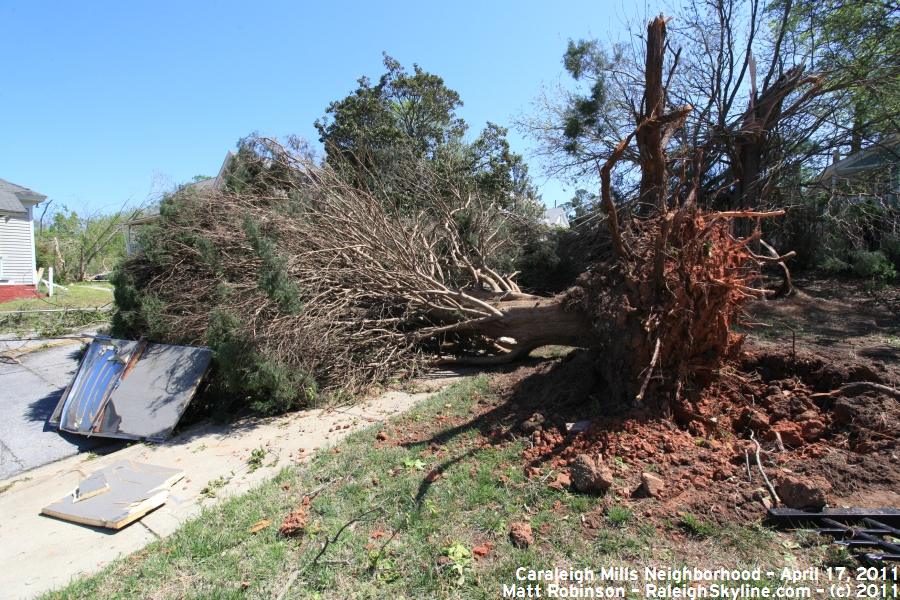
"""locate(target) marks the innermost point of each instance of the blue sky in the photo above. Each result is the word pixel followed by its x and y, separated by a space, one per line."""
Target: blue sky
pixel 104 103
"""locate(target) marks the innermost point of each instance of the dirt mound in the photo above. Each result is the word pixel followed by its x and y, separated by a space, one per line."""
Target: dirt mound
pixel 842 446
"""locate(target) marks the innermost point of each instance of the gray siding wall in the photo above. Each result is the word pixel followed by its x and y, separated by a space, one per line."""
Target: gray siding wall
pixel 16 249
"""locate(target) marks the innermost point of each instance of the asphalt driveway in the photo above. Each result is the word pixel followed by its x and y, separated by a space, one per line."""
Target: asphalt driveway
pixel 30 387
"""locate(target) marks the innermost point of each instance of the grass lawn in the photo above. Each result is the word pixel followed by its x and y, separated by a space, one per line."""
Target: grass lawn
pixel 422 519
pixel 90 294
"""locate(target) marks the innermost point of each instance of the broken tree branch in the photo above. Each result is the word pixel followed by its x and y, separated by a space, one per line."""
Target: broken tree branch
pixel 775 499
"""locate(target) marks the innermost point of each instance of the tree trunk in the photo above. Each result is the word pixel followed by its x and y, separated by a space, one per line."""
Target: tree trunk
pixel 529 322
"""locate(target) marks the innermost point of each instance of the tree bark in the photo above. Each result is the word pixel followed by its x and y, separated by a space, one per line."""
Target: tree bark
pixel 532 322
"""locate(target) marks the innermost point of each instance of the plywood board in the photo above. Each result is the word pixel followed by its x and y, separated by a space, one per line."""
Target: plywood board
pixel 94 485
pixel 135 489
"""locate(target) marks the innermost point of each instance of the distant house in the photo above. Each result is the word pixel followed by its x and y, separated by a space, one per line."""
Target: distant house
pixel 132 227
pixel 555 217
pixel 17 256
pixel 872 171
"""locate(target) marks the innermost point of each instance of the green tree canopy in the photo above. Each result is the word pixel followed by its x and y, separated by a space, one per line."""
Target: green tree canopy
pixel 406 117
pixel 413 110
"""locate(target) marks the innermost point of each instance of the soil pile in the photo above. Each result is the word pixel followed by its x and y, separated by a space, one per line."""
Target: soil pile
pixel 843 448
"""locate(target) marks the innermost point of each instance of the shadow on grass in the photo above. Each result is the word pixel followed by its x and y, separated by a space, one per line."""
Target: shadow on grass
pixel 559 392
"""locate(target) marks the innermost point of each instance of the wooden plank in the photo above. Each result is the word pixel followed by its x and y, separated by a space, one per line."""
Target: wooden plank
pixel 135 489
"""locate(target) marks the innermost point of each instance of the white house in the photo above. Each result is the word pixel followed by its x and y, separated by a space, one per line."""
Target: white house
pixel 556 217
pixel 17 259
pixel 874 170
pixel 132 244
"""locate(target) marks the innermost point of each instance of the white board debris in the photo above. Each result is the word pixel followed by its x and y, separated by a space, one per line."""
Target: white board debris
pixel 134 489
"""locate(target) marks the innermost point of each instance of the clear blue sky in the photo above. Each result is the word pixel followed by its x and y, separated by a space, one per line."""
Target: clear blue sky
pixel 104 102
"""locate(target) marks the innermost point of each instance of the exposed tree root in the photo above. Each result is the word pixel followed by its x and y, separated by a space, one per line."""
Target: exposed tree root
pixel 857 387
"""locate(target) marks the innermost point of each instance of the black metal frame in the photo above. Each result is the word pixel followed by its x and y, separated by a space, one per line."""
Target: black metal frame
pixel 853 528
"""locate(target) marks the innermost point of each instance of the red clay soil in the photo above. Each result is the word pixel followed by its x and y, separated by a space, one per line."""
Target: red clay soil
pixel 849 442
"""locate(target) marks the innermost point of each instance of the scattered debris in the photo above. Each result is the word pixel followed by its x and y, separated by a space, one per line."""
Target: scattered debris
pixel 135 489
pixel 577 427
pixel 209 490
pixel 533 423
pixel 482 550
pixel 296 521
pixel 775 499
pixel 287 585
pixel 260 525
pixel 589 475
pixel 131 390
pixel 256 458
pixel 520 534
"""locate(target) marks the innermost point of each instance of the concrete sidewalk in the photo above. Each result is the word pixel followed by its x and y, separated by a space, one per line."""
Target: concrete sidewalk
pixel 42 553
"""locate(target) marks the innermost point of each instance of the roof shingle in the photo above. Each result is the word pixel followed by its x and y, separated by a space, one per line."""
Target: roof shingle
pixel 12 197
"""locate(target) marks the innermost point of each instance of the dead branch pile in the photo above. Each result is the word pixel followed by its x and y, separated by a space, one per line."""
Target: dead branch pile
pixel 321 278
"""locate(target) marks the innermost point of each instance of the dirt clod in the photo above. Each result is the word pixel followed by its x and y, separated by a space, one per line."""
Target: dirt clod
pixel 533 423
pixel 791 433
pixel 802 492
pixel 589 475
pixel 562 481
pixel 652 485
pixel 520 534
pixel 482 550
pixel 296 521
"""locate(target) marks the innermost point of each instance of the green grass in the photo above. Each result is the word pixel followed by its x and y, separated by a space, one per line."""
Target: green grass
pixel 88 294
pixel 94 294
pixel 696 526
pixel 618 515
pixel 403 521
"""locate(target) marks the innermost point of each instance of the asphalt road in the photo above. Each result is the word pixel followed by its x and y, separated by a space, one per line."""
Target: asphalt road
pixel 29 391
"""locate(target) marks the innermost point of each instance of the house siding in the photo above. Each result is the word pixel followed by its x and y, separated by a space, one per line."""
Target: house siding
pixel 16 249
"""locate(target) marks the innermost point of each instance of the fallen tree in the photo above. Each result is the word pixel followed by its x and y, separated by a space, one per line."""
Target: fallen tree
pixel 309 284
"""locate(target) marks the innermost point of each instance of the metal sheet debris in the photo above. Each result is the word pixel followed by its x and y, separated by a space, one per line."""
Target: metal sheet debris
pixel 131 390
pixel 135 489
pixel 577 426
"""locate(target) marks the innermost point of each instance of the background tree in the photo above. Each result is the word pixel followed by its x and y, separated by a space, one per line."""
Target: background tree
pixel 777 88
pixel 403 115
pixel 79 247
pixel 408 118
